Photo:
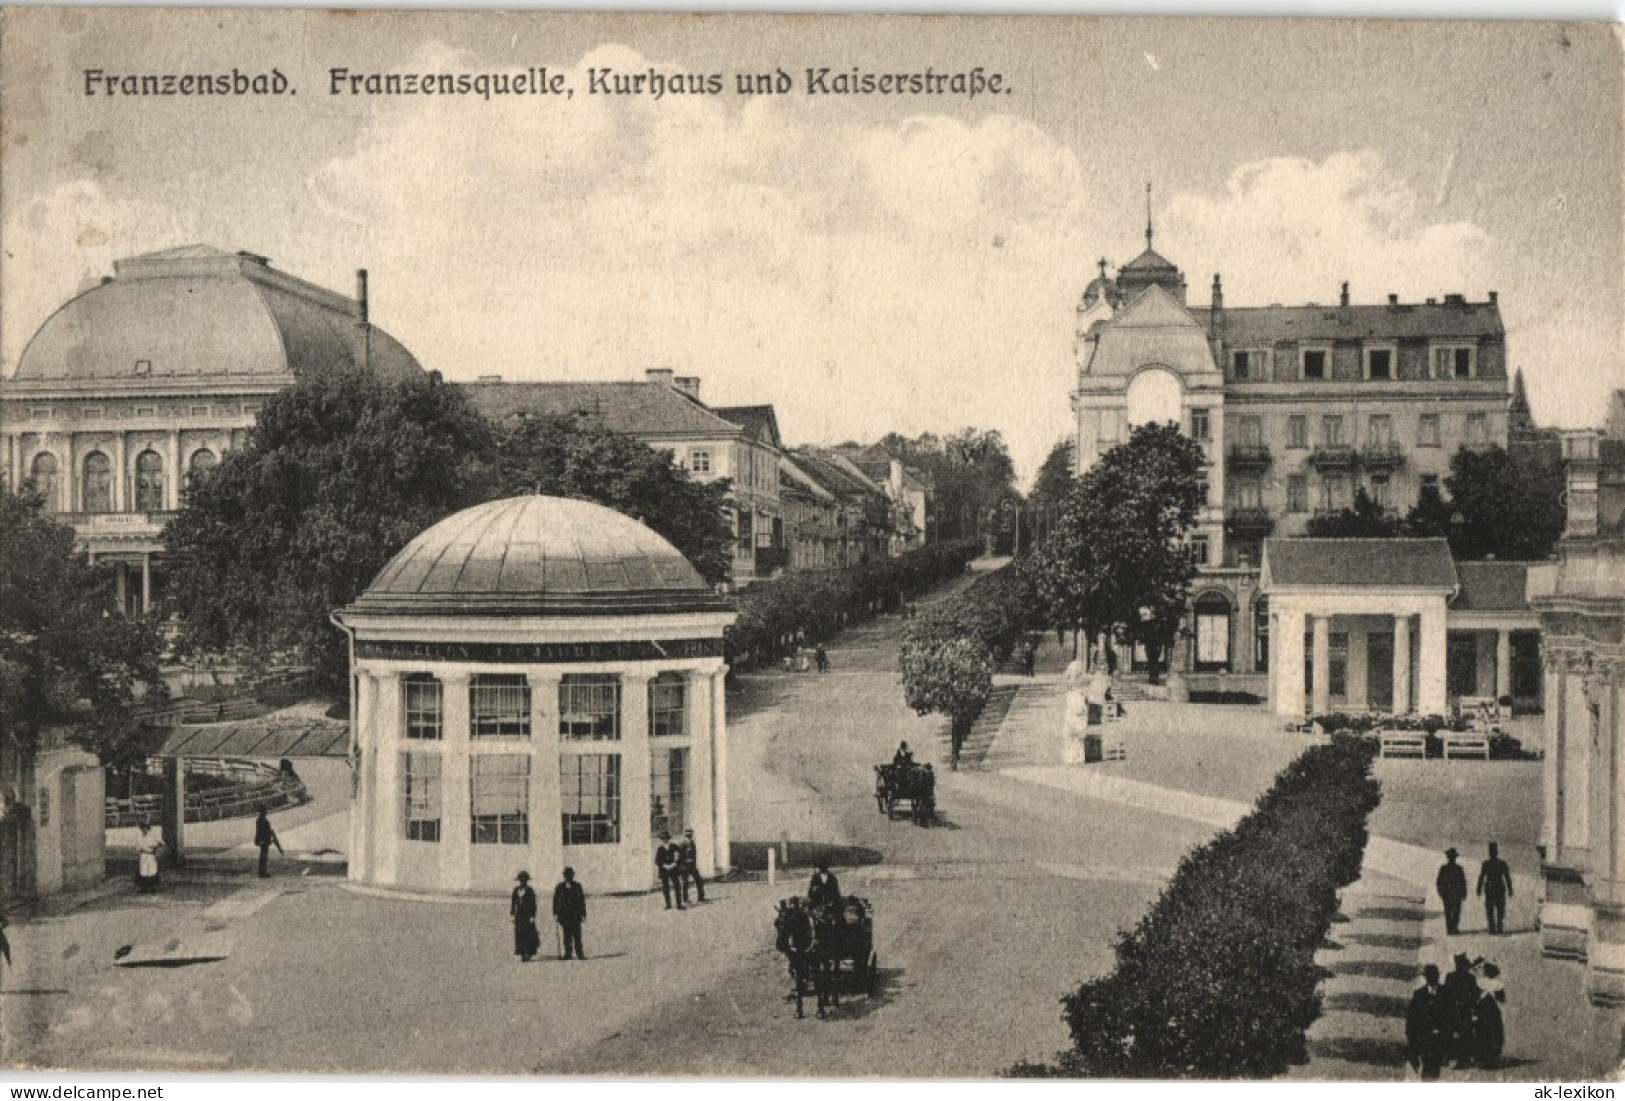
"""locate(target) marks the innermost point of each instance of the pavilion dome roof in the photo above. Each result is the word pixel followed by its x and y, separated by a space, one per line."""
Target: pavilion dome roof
pixel 538 556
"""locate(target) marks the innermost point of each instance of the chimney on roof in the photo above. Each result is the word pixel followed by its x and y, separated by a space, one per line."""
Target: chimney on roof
pixel 490 378
pixel 688 384
pixel 1344 300
pixel 1393 299
pixel 1216 314
pixel 661 375
pixel 1455 300
pixel 1433 301
pixel 1495 297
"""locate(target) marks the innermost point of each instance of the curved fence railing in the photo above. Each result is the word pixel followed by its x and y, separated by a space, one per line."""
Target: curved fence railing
pixel 255 786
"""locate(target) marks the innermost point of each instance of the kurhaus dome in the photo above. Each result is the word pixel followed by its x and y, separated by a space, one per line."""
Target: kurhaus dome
pixel 202 313
pixel 538 556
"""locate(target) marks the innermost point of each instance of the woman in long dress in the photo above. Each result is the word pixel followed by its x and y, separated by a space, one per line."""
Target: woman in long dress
pixel 147 848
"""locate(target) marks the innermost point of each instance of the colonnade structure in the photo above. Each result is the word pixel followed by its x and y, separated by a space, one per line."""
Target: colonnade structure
pixel 537 682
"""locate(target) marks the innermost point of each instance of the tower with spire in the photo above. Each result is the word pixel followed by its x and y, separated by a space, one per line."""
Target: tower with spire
pixel 1149 268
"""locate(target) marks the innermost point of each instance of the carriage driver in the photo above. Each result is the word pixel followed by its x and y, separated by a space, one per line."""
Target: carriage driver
pixel 823 889
pixel 903 757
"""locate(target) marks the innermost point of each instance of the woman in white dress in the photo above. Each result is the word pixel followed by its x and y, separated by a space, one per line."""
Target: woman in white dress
pixel 147 849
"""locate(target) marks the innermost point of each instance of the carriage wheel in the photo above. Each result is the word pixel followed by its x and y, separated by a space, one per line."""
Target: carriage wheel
pixel 880 801
pixel 872 974
pixel 891 807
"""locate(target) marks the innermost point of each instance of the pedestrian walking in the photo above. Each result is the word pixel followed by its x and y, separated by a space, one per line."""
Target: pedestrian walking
pixel 1460 999
pixel 148 847
pixel 570 911
pixel 265 837
pixel 1451 883
pixel 823 889
pixel 668 864
pixel 822 657
pixel 527 940
pixel 1495 886
pixel 1425 1024
pixel 1489 1028
pixel 1028 657
pixel 689 866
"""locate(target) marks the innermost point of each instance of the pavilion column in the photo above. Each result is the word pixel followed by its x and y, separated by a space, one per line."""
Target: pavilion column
pixel 1503 663
pixel 120 587
pixel 637 844
pixel 1431 695
pixel 14 474
pixel 389 782
pixel 1287 665
pixel 1321 657
pixel 702 782
pixel 172 477
pixel 1402 664
pixel 1358 662
pixel 146 582
pixel 456 796
pixel 364 812
pixel 546 798
pixel 121 474
pixel 719 768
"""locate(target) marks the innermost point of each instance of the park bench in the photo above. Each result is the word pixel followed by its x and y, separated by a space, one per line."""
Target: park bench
pixel 1480 711
pixel 1402 743
pixel 1465 743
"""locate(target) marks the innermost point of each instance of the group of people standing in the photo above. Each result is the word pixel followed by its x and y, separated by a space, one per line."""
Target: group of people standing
pixel 1457 1020
pixel 569 912
pixel 678 864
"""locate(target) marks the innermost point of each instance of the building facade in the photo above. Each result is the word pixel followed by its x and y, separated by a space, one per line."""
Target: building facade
pixel 538 682
pixel 665 412
pixel 1580 597
pixel 153 375
pixel 1296 408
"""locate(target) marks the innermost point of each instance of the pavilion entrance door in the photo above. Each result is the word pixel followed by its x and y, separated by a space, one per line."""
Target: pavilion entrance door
pixel 1379 672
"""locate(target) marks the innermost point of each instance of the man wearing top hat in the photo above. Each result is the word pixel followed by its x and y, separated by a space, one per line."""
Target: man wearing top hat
pixel 570 911
pixel 1451 884
pixel 1426 1026
pixel 522 908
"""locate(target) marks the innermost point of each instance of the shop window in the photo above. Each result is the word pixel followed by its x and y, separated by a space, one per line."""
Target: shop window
pixel 499 706
pixel 590 707
pixel 1212 632
pixel 420 774
pixel 590 798
pixel 668 702
pixel 423 703
pixel 499 798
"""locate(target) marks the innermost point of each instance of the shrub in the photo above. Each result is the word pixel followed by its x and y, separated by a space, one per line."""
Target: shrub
pixel 1219 979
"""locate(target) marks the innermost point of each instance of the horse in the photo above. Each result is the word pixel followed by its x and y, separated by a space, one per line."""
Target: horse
pixel 797 936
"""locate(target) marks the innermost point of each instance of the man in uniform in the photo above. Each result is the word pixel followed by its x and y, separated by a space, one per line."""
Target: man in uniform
pixel 668 863
pixel 688 866
pixel 1495 885
pixel 570 911
pixel 1451 884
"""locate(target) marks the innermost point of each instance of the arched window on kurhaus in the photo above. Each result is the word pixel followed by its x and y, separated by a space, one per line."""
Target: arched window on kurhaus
pixel 96 490
pixel 203 461
pixel 1212 632
pixel 149 482
pixel 43 476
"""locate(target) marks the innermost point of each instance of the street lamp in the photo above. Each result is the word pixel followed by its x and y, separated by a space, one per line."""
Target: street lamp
pixel 1012 505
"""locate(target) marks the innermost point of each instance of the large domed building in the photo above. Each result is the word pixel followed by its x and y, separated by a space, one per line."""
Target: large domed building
pixel 532 676
pixel 156 373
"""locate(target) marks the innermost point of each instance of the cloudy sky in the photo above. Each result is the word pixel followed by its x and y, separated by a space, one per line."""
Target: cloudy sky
pixel 865 264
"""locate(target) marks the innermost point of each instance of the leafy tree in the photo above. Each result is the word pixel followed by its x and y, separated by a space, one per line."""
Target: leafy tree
pixel 1430 516
pixel 971 473
pixel 946 674
pixel 341 470
pixel 1510 503
pixel 1055 478
pixel 1115 562
pixel 564 458
pixel 1365 520
pixel 67 659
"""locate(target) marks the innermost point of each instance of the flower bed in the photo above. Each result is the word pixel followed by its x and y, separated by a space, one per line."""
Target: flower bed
pixel 1219 979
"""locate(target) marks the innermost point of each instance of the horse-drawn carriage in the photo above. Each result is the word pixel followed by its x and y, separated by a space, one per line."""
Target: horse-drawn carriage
pixel 830 949
pixel 906 782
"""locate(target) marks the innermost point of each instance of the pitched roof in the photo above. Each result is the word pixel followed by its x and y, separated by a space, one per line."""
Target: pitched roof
pixel 1358 563
pixel 1492 587
pixel 642 409
pixel 1154 328
pixel 758 421
pixel 839 479
pixel 1243 325
pixel 1149 260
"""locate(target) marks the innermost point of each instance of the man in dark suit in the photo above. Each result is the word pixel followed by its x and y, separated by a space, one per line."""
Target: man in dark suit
pixel 1451 884
pixel 1495 885
pixel 570 911
pixel 1426 1026
pixel 688 866
pixel 265 836
pixel 823 889
pixel 668 864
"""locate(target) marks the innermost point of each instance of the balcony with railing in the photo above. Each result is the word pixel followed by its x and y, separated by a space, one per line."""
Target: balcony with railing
pixel 1249 520
pixel 1335 456
pixel 1254 457
pixel 1382 456
pixel 145 523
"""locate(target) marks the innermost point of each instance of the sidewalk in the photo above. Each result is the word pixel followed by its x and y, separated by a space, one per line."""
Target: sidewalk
pixel 1391 922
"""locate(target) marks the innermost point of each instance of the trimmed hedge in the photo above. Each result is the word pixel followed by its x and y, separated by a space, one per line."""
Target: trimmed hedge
pixel 1503 746
pixel 812 606
pixel 1219 978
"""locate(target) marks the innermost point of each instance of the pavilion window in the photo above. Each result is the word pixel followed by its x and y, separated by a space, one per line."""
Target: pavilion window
pixel 499 798
pixel 668 790
pixel 423 703
pixel 668 704
pixel 499 706
pixel 590 798
pixel 97 490
pixel 420 774
pixel 590 707
pixel 149 482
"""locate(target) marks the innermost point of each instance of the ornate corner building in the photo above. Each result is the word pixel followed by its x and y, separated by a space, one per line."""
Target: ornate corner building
pixel 1298 407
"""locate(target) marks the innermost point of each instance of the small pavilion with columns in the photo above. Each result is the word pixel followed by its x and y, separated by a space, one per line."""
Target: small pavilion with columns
pixel 537 682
